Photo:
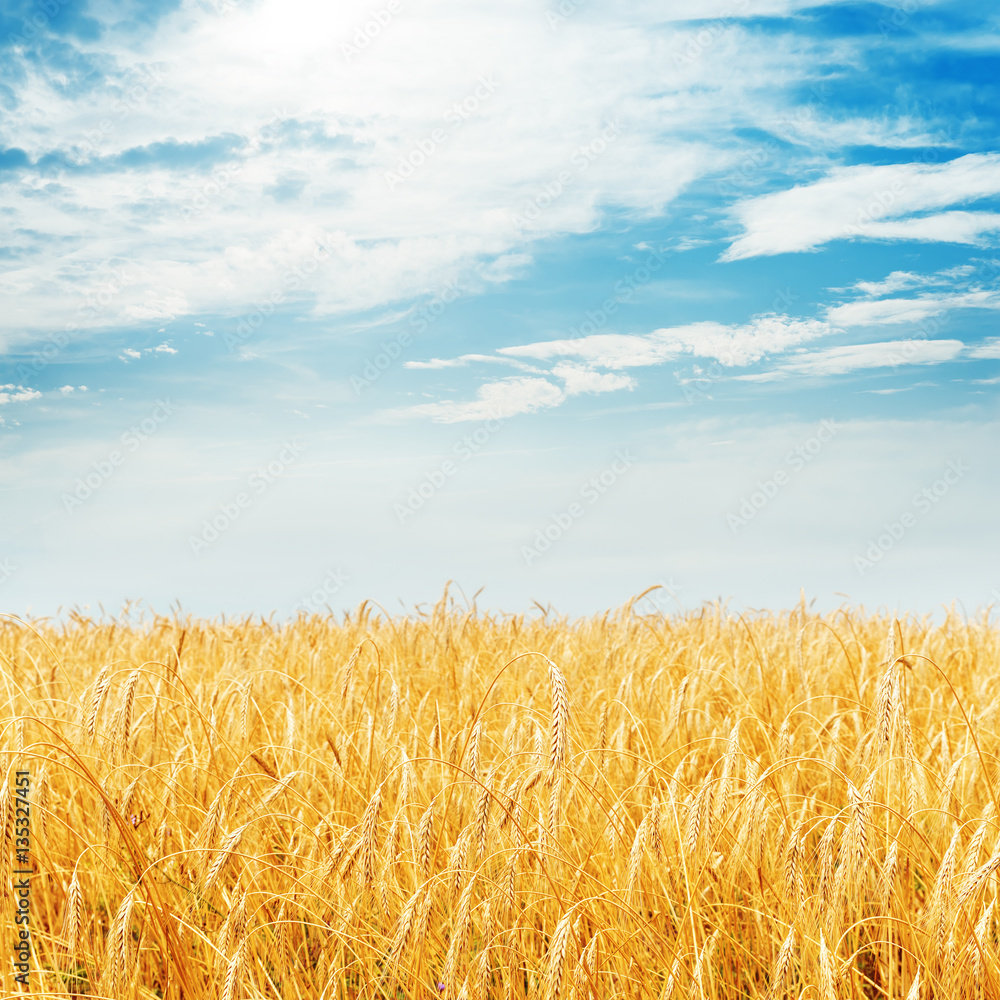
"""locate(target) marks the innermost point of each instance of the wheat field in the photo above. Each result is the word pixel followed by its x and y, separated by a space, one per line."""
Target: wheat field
pixel 459 804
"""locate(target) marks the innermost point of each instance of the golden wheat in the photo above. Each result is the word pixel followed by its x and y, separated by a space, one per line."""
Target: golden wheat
pixel 482 806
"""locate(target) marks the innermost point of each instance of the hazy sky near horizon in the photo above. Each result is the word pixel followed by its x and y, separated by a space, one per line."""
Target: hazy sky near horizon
pixel 309 303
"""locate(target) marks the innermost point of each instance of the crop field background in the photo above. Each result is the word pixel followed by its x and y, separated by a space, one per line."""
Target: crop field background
pixel 459 804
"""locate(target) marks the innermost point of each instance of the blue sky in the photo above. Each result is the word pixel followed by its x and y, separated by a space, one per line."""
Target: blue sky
pixel 306 304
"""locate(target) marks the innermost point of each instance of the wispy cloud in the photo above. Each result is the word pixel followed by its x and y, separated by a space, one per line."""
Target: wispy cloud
pixel 495 400
pixel 988 349
pixel 854 357
pixel 870 202
pixel 880 312
pixel 737 344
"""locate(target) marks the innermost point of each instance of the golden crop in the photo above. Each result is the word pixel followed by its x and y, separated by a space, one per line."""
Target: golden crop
pixel 460 804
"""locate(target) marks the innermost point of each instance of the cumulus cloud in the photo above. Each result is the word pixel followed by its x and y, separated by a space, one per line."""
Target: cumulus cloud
pixel 580 378
pixel 17 394
pixel 897 281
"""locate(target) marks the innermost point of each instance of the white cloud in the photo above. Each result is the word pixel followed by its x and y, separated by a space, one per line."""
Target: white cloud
pixel 945 227
pixel 463 360
pixel 854 357
pixel 730 345
pixel 302 109
pixel 819 130
pixel 495 400
pixel 866 202
pixel 580 378
pixel 511 396
pixel 881 312
pixel 988 349
pixel 436 363
pixel 894 282
pixel 577 361
pixel 11 393
pixel 164 349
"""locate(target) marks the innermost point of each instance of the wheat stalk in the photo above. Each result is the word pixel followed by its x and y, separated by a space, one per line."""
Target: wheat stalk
pixel 558 948
pixel 369 839
pixel 560 717
pixel 782 963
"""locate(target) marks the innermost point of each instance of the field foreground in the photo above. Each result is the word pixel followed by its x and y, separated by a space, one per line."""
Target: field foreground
pixel 458 804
